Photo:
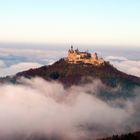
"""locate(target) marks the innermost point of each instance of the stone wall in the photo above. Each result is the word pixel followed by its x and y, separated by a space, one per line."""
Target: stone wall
pixel 77 57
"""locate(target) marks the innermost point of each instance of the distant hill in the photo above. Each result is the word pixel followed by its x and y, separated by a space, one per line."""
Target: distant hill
pixel 129 136
pixel 78 74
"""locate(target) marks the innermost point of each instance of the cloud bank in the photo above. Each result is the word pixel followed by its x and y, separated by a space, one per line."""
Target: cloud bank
pixel 131 67
pixel 13 60
pixel 41 108
pixel 13 69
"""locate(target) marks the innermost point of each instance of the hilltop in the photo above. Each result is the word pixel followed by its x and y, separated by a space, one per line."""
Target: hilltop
pixel 70 74
pixel 73 74
pixel 76 68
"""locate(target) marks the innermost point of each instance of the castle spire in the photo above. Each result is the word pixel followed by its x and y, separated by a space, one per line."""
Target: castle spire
pixel 71 47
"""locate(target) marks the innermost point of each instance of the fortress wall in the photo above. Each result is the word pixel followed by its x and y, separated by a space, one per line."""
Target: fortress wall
pixel 74 57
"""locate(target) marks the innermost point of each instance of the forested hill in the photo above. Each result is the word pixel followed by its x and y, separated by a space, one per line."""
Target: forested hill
pixel 75 74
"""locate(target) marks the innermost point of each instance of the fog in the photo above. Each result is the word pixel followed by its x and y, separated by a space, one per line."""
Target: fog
pixel 46 109
pixel 126 65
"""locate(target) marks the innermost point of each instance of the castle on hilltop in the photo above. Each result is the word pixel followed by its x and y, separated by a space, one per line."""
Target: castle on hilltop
pixel 75 56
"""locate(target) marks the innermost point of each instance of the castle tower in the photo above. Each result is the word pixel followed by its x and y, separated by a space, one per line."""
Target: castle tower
pixel 95 56
pixel 72 48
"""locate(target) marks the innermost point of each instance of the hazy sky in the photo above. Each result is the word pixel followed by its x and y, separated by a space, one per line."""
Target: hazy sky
pixel 97 22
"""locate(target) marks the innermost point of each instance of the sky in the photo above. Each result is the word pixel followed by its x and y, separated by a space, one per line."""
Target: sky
pixel 90 22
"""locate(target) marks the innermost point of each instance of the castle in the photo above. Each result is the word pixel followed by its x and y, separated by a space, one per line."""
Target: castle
pixel 75 56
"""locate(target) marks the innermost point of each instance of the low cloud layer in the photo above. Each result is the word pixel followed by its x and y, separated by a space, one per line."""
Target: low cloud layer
pixel 13 60
pixel 128 66
pixel 40 108
pixel 15 68
pixel 36 55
